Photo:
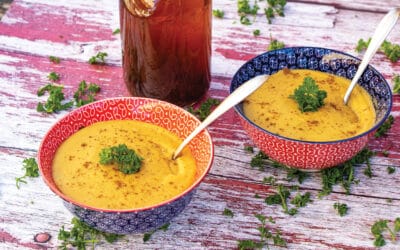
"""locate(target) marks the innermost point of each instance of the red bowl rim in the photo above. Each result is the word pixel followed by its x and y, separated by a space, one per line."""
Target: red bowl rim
pixel 188 190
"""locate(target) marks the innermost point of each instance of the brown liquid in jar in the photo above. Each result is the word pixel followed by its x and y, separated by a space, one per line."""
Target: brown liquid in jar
pixel 166 48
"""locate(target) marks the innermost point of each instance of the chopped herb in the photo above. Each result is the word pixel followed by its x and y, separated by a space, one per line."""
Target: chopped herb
pixel 396 86
pixel 54 59
pixel 275 44
pixel 249 149
pixel 245 20
pixel 341 208
pixel 293 173
pixel 308 96
pixel 258 160
pixel 385 153
pixel 99 58
pixel 343 173
pixel 392 51
pixel 116 31
pixel 228 212
pixel 31 170
pixel 380 226
pixel 218 13
pixel 85 93
pixel 275 7
pixel 265 235
pixel 82 234
pixel 281 197
pixel 55 100
pixel 205 108
pixel 126 159
pixel 385 127
pixel 269 180
pixel 147 236
pixel 256 32
pixel 301 200
pixel 368 170
pixel 391 170
pixel 53 76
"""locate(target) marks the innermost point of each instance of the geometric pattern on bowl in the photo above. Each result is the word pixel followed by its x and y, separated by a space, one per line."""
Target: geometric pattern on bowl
pixel 160 113
pixel 306 155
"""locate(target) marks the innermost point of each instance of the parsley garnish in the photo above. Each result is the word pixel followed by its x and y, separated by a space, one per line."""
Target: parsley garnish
pixel 31 170
pixel 126 159
pixel 99 58
pixel 275 44
pixel 281 197
pixel 82 234
pixel 259 160
pixel 308 96
pixel 85 93
pixel 116 31
pixel 379 227
pixel 147 236
pixel 205 108
pixel 228 212
pixel 385 127
pixel 55 100
pixel 392 51
pixel 265 236
pixel 53 76
pixel 301 200
pixel 54 59
pixel 341 208
pixel 256 32
pixel 391 170
pixel 275 7
pixel 396 86
pixel 218 13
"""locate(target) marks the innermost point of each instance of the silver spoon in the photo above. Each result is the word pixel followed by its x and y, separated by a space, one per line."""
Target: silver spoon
pixel 381 32
pixel 237 96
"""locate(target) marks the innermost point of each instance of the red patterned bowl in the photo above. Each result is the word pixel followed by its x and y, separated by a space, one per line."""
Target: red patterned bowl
pixel 163 114
pixel 308 155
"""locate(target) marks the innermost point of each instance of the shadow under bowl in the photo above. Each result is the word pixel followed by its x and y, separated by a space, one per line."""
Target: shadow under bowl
pixel 308 155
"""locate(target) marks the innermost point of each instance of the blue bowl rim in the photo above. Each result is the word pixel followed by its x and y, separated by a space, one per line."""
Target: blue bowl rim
pixel 376 126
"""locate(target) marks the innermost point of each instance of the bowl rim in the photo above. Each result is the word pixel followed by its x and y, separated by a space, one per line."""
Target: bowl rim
pixel 365 133
pixel 66 198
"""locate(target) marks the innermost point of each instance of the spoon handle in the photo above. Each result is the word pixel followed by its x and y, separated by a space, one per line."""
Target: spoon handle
pixel 381 32
pixel 237 96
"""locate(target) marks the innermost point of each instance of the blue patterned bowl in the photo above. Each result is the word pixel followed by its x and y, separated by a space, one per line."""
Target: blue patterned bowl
pixel 163 114
pixel 307 155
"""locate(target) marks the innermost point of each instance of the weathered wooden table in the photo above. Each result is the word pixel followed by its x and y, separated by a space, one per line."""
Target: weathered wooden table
pixel 74 30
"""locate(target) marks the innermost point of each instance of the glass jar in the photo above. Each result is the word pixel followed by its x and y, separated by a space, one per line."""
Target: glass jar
pixel 166 48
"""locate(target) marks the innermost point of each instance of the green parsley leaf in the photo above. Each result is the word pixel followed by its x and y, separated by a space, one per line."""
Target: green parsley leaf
pixel 308 96
pixel 85 93
pixel 116 31
pixel 258 160
pixel 54 59
pixel 55 100
pixel 301 200
pixel 126 159
pixel 256 32
pixel 147 236
pixel 281 197
pixel 228 212
pixel 205 108
pixel 385 127
pixel 31 170
pixel 53 76
pixel 341 208
pixel 392 51
pixel 218 13
pixel 275 44
pixel 249 149
pixel 396 86
pixel 99 58
pixel 391 170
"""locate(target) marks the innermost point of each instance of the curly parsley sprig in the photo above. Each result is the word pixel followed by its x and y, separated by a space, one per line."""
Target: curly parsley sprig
pixel 31 170
pixel 308 96
pixel 126 159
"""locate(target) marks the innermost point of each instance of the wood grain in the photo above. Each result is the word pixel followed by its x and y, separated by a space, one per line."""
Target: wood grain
pixel 75 30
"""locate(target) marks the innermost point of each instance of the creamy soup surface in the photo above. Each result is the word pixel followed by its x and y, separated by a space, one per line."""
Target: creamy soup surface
pixel 79 175
pixel 271 108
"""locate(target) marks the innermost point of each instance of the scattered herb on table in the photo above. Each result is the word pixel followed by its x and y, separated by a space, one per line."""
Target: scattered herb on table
pixel 296 173
pixel 258 161
pixel 396 86
pixel 31 170
pixel 205 108
pixel 385 127
pixel 249 149
pixel 53 76
pixel 275 7
pixel 245 9
pixel 308 96
pixel 218 13
pixel 280 198
pixel 392 51
pixel 341 208
pixel 265 235
pixel 99 58
pixel 82 234
pixel 55 101
pixel 116 31
pixel 379 227
pixel 343 173
pixel 228 212
pixel 385 153
pixel 147 236
pixel 270 180
pixel 54 59
pixel 391 170
pixel 275 44
pixel 126 159
pixel 85 93
pixel 256 32
pixel 301 200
